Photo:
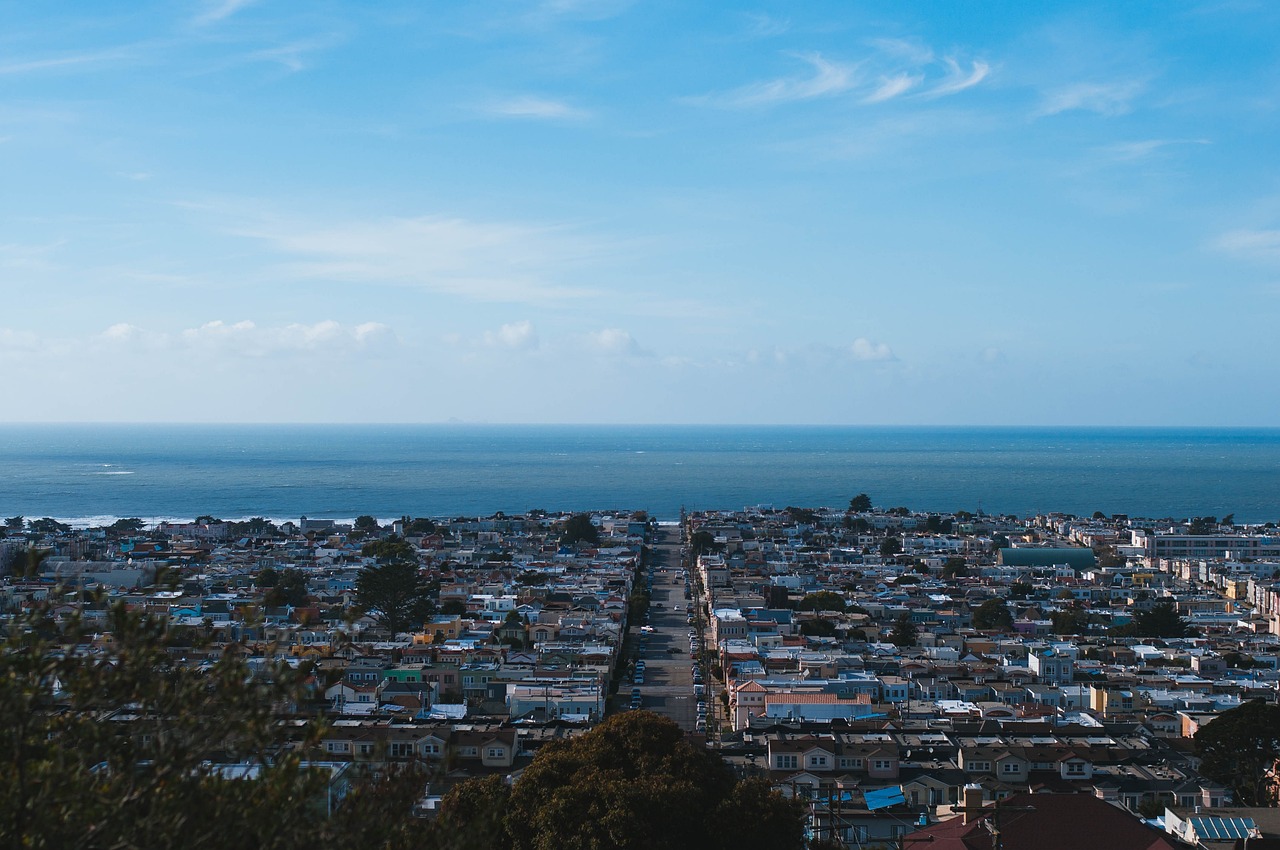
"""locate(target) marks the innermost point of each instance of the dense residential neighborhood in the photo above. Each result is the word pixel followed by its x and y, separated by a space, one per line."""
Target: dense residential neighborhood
pixel 900 674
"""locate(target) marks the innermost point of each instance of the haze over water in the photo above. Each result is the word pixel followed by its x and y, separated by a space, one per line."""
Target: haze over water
pixel 91 473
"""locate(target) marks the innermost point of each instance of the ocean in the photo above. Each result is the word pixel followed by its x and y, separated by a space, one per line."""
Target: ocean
pixel 92 474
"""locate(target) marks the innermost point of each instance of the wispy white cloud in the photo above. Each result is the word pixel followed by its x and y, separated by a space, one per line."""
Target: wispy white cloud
pixel 891 87
pixel 74 60
pixel 1108 98
pixel 482 261
pixel 220 10
pixel 1251 244
pixel 516 336
pixel 894 68
pixel 1137 150
pixel 958 79
pixel 864 349
pixel 530 106
pixel 903 50
pixel 615 342
pixel 761 25
pixel 247 339
pixel 825 79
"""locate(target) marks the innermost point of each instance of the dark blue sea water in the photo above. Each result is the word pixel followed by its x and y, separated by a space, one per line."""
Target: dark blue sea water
pixel 95 472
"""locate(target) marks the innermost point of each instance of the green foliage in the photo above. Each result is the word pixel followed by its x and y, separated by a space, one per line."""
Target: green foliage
pixel 129 525
pixel 454 607
pixel 1072 621
pixel 860 503
pixel 121 747
pixel 701 542
pixel 391 550
pixel 394 595
pixel 819 627
pixel 905 632
pixel 955 567
pixel 287 587
pixel 935 524
pixel 993 615
pixel 1203 525
pixel 365 522
pixel 802 516
pixel 254 527
pixel 635 782
pixel 48 525
pixel 1238 747
pixel 890 546
pixel 420 525
pixel 823 600
pixel 1020 590
pixel 15 523
pixel 579 529
pixel 1162 621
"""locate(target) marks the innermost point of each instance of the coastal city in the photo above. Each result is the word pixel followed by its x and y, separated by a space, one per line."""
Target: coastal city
pixel 903 676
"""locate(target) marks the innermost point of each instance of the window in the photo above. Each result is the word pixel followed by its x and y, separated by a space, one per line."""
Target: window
pixel 1075 767
pixel 786 762
pixel 851 764
pixel 1011 767
pixel 497 753
pixel 818 761
pixel 979 765
pixel 882 764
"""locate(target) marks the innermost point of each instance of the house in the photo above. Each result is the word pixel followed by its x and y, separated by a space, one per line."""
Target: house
pixel 1044 822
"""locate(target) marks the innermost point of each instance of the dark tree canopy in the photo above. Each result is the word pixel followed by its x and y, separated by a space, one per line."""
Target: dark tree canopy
pixel 579 529
pixel 1238 747
pixel 905 632
pixel 890 546
pixel 823 600
pixel 636 782
pixel 365 522
pixel 820 627
pixel 150 778
pixel 394 595
pixel 860 503
pixel 283 587
pixel 1162 621
pixel 128 525
pixel 993 615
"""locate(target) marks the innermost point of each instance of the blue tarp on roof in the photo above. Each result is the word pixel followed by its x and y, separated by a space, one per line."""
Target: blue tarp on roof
pixel 884 798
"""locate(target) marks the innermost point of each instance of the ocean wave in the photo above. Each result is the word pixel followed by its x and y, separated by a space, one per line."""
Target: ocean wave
pixel 115 472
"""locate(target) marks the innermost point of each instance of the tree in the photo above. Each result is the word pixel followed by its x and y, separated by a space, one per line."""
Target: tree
pixel 165 771
pixel 129 525
pixel 860 503
pixel 993 615
pixel 287 587
pixel 904 633
pixel 365 522
pixel 955 567
pixel 1020 589
pixel 802 516
pixel 394 594
pixel 254 527
pixel 1072 621
pixel 1238 747
pixel 15 523
pixel 420 525
pixel 820 627
pixel 1162 621
pixel 890 546
pixel 453 607
pixel 48 525
pixel 635 782
pixel 579 529
pixel 1202 525
pixel 823 600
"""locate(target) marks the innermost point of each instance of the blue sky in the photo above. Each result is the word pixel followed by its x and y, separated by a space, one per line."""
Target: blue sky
pixel 577 211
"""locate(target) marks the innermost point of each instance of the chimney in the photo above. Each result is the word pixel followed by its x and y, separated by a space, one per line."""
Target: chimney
pixel 972 802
